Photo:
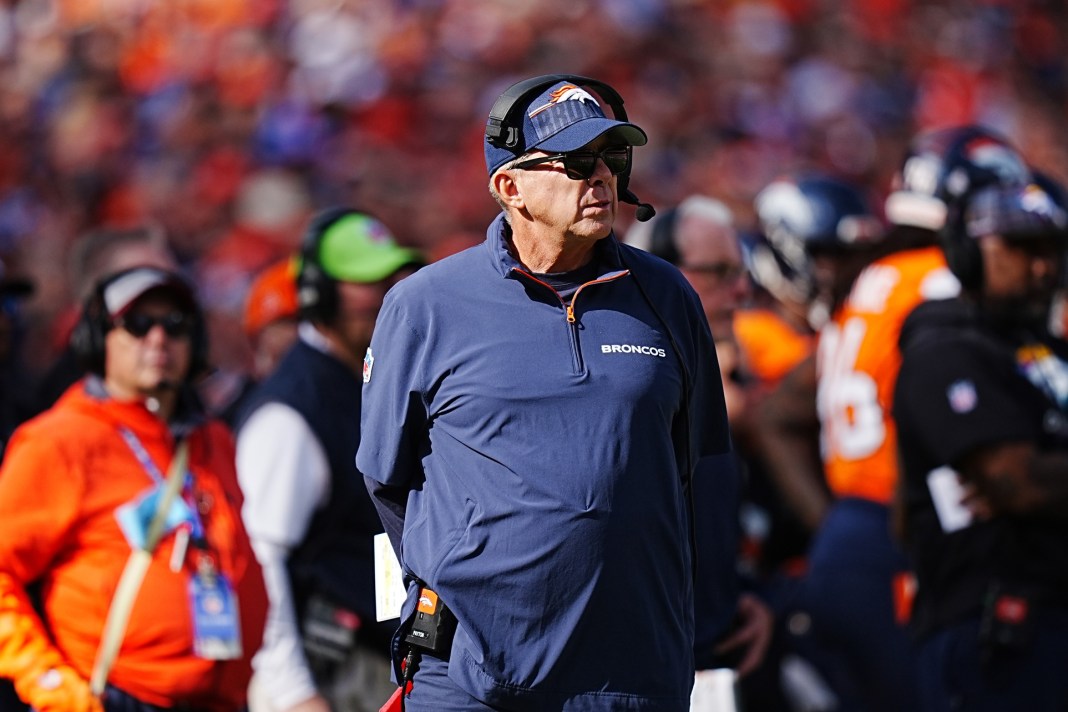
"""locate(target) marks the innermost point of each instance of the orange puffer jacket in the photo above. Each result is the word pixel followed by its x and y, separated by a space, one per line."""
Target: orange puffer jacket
pixel 64 476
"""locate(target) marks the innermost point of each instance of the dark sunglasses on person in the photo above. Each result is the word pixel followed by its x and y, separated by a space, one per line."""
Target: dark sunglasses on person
pixel 580 165
pixel 175 324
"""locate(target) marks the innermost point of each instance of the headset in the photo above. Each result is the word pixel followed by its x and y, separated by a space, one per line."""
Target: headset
pixel 88 339
pixel 662 239
pixel 504 128
pixel 962 252
pixel 317 296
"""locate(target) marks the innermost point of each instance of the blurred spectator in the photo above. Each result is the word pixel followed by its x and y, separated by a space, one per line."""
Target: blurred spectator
pixel 271 315
pixel 307 509
pixel 148 581
pixel 980 401
pixel 270 325
pixel 271 207
pixel 775 329
pixel 96 255
pixel 775 333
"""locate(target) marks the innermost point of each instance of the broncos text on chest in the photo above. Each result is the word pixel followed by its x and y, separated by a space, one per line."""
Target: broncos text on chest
pixel 633 349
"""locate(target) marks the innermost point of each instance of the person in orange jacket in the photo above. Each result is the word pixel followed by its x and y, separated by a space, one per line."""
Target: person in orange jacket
pixel 80 487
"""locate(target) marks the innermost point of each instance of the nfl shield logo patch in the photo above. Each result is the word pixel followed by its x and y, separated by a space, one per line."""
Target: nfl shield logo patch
pixel 368 363
pixel 961 394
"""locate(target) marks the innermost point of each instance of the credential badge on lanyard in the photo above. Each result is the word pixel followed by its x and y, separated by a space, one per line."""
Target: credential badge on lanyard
pixel 213 603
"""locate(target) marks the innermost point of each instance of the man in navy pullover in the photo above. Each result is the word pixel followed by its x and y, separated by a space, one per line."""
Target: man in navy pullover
pixel 534 409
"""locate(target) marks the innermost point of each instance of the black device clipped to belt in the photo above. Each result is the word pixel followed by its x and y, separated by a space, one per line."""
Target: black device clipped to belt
pixel 430 631
pixel 433 625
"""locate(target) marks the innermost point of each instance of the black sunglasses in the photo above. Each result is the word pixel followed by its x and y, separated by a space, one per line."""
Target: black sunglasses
pixel 175 324
pixel 580 165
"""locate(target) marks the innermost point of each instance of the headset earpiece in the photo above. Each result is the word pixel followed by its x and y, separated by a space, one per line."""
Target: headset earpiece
pixel 317 297
pixel 502 129
pixel 962 252
pixel 662 239
pixel 87 338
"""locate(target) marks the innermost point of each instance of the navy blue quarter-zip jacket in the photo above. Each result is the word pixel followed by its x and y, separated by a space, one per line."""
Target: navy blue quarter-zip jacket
pixel 543 448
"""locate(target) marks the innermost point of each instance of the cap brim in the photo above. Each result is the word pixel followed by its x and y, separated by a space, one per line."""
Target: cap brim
pixel 588 130
pixel 359 248
pixel 124 291
pixel 377 266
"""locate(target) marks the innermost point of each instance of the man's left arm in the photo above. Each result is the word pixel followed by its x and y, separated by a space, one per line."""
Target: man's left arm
pixel 393 416
pixel 391 503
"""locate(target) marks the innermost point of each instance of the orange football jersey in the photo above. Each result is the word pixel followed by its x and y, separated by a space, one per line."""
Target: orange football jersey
pixel 858 361
pixel 771 347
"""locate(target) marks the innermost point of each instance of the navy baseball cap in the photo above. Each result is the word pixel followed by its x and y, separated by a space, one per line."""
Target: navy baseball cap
pixel 564 117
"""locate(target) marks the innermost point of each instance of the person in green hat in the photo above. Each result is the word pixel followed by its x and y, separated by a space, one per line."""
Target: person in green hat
pixel 306 507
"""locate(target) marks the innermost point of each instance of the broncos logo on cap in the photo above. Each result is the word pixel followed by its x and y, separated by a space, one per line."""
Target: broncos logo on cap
pixel 568 92
pixel 1035 200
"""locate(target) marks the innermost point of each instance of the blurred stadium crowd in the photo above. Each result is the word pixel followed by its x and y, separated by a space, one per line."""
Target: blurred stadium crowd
pixel 226 123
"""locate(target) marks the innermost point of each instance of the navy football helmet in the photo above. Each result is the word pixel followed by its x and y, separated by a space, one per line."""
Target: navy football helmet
pixel 944 166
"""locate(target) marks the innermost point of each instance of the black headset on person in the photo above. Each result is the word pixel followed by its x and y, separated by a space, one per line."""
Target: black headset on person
pixel 317 298
pixel 88 338
pixel 662 239
pixel 504 128
pixel 962 252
